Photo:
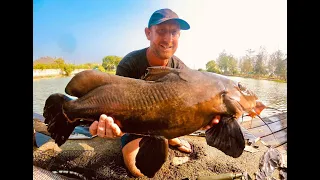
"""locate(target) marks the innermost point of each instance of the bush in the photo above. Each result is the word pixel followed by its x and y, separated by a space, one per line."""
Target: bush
pixel 68 68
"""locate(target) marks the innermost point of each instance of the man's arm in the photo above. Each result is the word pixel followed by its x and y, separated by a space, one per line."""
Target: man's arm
pixel 106 127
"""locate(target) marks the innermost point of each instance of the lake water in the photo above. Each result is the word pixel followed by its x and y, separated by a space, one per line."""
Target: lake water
pixel 272 94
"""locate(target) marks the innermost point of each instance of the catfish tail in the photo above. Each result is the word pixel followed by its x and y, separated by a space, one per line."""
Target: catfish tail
pixel 152 155
pixel 58 125
pixel 227 137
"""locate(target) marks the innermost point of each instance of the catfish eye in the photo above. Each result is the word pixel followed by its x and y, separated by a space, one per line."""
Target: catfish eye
pixel 241 87
pixel 245 91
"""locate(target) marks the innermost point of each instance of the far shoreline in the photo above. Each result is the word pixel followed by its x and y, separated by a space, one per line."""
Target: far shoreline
pixel 49 77
pixel 259 78
pixel 242 76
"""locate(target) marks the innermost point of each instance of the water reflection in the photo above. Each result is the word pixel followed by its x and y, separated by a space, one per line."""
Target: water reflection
pixel 272 94
pixel 43 88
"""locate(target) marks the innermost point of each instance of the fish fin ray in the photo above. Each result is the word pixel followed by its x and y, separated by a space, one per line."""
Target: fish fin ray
pixel 227 137
pixel 58 125
pixel 152 155
pixel 160 73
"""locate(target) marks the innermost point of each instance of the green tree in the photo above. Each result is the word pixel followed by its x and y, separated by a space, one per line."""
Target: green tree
pixel 60 63
pixel 281 69
pixel 260 61
pixel 275 63
pixel 246 65
pixel 101 68
pixel 40 66
pixel 227 63
pixel 232 65
pixel 212 66
pixel 222 61
pixel 110 62
pixel 68 68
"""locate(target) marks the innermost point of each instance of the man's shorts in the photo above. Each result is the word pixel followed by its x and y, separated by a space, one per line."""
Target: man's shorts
pixel 126 138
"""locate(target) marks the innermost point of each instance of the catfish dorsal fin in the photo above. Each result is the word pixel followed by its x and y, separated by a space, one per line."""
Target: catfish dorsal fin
pixel 161 73
pixel 157 72
pixel 85 81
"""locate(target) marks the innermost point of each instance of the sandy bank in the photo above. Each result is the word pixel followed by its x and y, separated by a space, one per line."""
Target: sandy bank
pixel 100 158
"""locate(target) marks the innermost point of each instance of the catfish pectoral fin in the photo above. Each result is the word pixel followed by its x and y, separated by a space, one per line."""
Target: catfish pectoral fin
pixel 152 155
pixel 58 125
pixel 227 137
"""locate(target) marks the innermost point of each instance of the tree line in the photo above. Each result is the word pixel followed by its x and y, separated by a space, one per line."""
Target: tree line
pixel 255 65
pixel 60 63
pixel 109 63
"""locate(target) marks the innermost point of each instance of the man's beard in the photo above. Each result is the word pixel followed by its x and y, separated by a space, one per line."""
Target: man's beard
pixel 163 55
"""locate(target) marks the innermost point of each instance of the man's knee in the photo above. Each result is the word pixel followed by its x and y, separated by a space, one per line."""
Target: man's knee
pixel 129 152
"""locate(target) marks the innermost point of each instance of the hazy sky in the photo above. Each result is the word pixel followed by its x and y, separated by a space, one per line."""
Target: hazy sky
pixel 83 31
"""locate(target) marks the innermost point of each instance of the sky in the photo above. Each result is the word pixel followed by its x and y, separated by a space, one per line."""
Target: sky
pixel 85 31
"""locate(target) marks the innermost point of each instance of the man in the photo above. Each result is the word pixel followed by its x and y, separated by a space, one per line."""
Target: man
pixel 163 32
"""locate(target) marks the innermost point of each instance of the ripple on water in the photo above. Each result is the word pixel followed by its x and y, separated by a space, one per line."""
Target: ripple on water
pixel 272 94
pixel 43 88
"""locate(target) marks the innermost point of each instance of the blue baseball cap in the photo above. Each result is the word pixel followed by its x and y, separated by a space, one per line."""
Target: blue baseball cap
pixel 163 15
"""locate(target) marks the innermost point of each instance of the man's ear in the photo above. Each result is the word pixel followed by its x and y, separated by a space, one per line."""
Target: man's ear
pixel 147 31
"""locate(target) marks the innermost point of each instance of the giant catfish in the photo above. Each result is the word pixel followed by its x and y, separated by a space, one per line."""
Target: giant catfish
pixel 167 103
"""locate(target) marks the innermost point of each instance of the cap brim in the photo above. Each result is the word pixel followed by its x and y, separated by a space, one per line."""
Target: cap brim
pixel 183 24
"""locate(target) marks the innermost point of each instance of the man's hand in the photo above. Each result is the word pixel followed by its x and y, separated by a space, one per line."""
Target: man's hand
pixel 105 128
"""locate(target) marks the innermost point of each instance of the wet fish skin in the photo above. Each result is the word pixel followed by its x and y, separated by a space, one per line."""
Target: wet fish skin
pixel 168 102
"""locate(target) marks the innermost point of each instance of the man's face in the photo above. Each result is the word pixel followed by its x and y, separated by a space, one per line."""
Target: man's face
pixel 164 38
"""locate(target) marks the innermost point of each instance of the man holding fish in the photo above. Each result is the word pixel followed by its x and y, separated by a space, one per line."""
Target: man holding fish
pixel 155 99
pixel 163 32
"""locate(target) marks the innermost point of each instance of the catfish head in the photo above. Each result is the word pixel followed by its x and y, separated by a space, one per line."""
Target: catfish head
pixel 249 101
pixel 227 135
pixel 241 99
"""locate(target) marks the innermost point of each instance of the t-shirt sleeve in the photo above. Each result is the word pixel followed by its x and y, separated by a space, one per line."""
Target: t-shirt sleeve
pixel 132 65
pixel 124 66
pixel 122 70
pixel 177 63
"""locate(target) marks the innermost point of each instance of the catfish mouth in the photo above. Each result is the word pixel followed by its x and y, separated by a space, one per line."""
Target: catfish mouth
pixel 246 100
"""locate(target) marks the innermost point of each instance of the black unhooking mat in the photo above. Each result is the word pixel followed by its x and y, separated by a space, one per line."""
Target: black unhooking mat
pixel 82 164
